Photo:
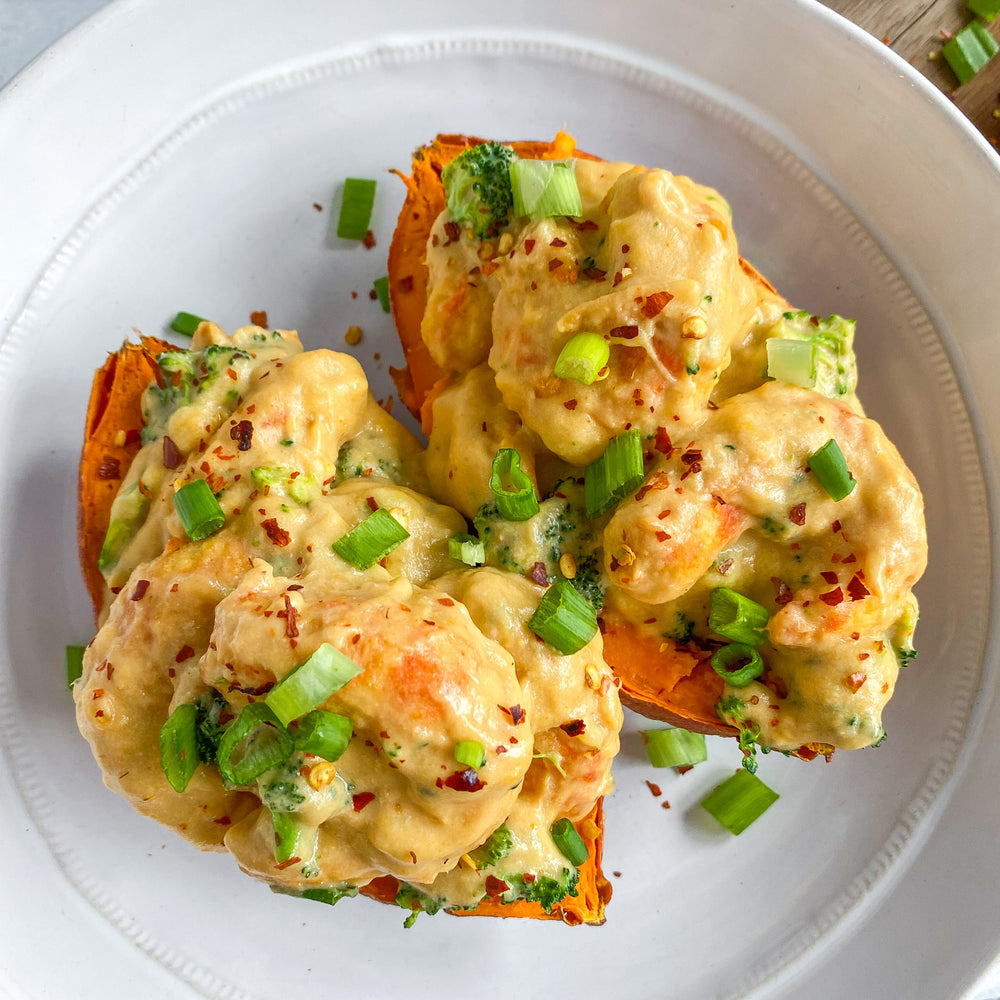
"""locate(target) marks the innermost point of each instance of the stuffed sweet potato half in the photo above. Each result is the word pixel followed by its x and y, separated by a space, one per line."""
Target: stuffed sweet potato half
pixel 291 666
pixel 706 476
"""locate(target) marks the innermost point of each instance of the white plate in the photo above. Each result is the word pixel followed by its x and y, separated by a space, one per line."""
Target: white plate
pixel 168 156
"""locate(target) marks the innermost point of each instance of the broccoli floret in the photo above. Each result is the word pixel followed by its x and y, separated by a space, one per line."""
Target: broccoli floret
pixel 213 711
pixel 541 889
pixel 300 487
pixel 500 841
pixel 410 898
pixel 825 363
pixel 477 186
pixel 589 581
pixel 330 894
pixel 683 628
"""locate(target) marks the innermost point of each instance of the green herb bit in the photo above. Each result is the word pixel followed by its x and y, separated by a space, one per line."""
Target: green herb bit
pixel 179 746
pixel 467 548
pixel 381 286
pixel 255 742
pixel 74 664
pixel 356 208
pixel 186 323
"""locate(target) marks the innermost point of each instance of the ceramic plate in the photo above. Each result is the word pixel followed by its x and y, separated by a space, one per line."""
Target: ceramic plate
pixel 181 155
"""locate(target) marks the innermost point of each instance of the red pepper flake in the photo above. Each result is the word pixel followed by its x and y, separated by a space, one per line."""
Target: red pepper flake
pixel 574 728
pixel 371 503
pixel 139 593
pixel 275 532
pixel 172 456
pixel 555 264
pixel 655 789
pixel 464 781
pixel 291 613
pixel 110 468
pixel 832 597
pixel 662 536
pixel 501 749
pixel 661 442
pixel 625 248
pixel 184 653
pixel 835 527
pixel 625 332
pixel 361 799
pixel 829 576
pixel 864 656
pixel 797 515
pixel 453 231
pixel 594 273
pixel 259 318
pixel 231 372
pixel 98 693
pixel 496 886
pixel 658 481
pixel 242 434
pixel 516 714
pixel 556 242
pixel 783 593
pixel 369 241
pixel 855 680
pixel 570 404
pixel 288 864
pixel 692 459
pixel 852 558
pixel 856 590
pixel 539 574
pixel 724 567
pixel 654 304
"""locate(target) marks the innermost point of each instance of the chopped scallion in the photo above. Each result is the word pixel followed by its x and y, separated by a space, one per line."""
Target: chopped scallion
pixel 286 835
pixel 471 753
pixel 356 208
pixel 381 286
pixel 583 357
pixel 739 801
pixel 738 664
pixel 512 488
pixel 736 617
pixel 371 540
pixel 323 734
pixel 970 50
pixel 74 664
pixel 674 747
pixel 569 841
pixel 543 188
pixel 467 549
pixel 198 510
pixel 564 618
pixel 255 742
pixel 829 466
pixel 618 472
pixel 791 361
pixel 186 323
pixel 987 9
pixel 310 683
pixel 179 745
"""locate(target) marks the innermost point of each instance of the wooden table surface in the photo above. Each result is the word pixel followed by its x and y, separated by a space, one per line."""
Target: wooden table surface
pixel 916 30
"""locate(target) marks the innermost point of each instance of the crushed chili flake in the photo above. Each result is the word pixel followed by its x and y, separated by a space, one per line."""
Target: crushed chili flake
pixel 172 456
pixel 369 241
pixel 570 404
pixel 557 242
pixel 829 576
pixel 496 886
pixel 110 468
pixel 797 514
pixel 661 442
pixel 783 593
pixel 242 434
pixel 539 574
pixel 662 536
pixel 625 332
pixel 371 503
pixel 529 245
pixel 655 789
pixel 291 614
pixel 555 264
pixel 515 712
pixel 724 567
pixel 464 781
pixel 184 653
pixel 654 304
pixel 259 318
pixel 594 273
pixel 361 799
pixel 855 680
pixel 658 481
pixel 574 728
pixel 139 593
pixel 832 597
pixel 446 601
pixel 275 532
pixel 856 590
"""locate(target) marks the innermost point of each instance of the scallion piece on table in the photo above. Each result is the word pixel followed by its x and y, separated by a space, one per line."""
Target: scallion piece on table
pixel 543 188
pixel 254 742
pixel 286 835
pixel 381 286
pixel 356 208
pixel 737 664
pixel 74 664
pixel 739 800
pixel 511 486
pixel 987 9
pixel 736 617
pixel 829 466
pixel 564 618
pixel 791 361
pixel 674 747
pixel 471 753
pixel 179 745
pixel 186 323
pixel 467 548
pixel 970 50
pixel 323 734
pixel 310 683
pixel 582 358
pixel 569 841
pixel 198 510
pixel 371 540
pixel 618 472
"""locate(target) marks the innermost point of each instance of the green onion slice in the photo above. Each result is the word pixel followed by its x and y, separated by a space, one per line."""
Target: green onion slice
pixel 583 357
pixel 737 617
pixel 512 488
pixel 186 323
pixel 255 742
pixel 543 188
pixel 987 9
pixel 323 734
pixel 74 664
pixel 381 286
pixel 791 361
pixel 829 466
pixel 739 800
pixel 738 664
pixel 616 474
pixel 674 747
pixel 569 841
pixel 970 50
pixel 310 683
pixel 471 753
pixel 564 618
pixel 371 540
pixel 467 549
pixel 179 745
pixel 286 836
pixel 356 208
pixel 198 510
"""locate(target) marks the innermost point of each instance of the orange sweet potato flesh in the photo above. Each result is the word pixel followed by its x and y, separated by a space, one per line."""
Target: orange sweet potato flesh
pixel 112 439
